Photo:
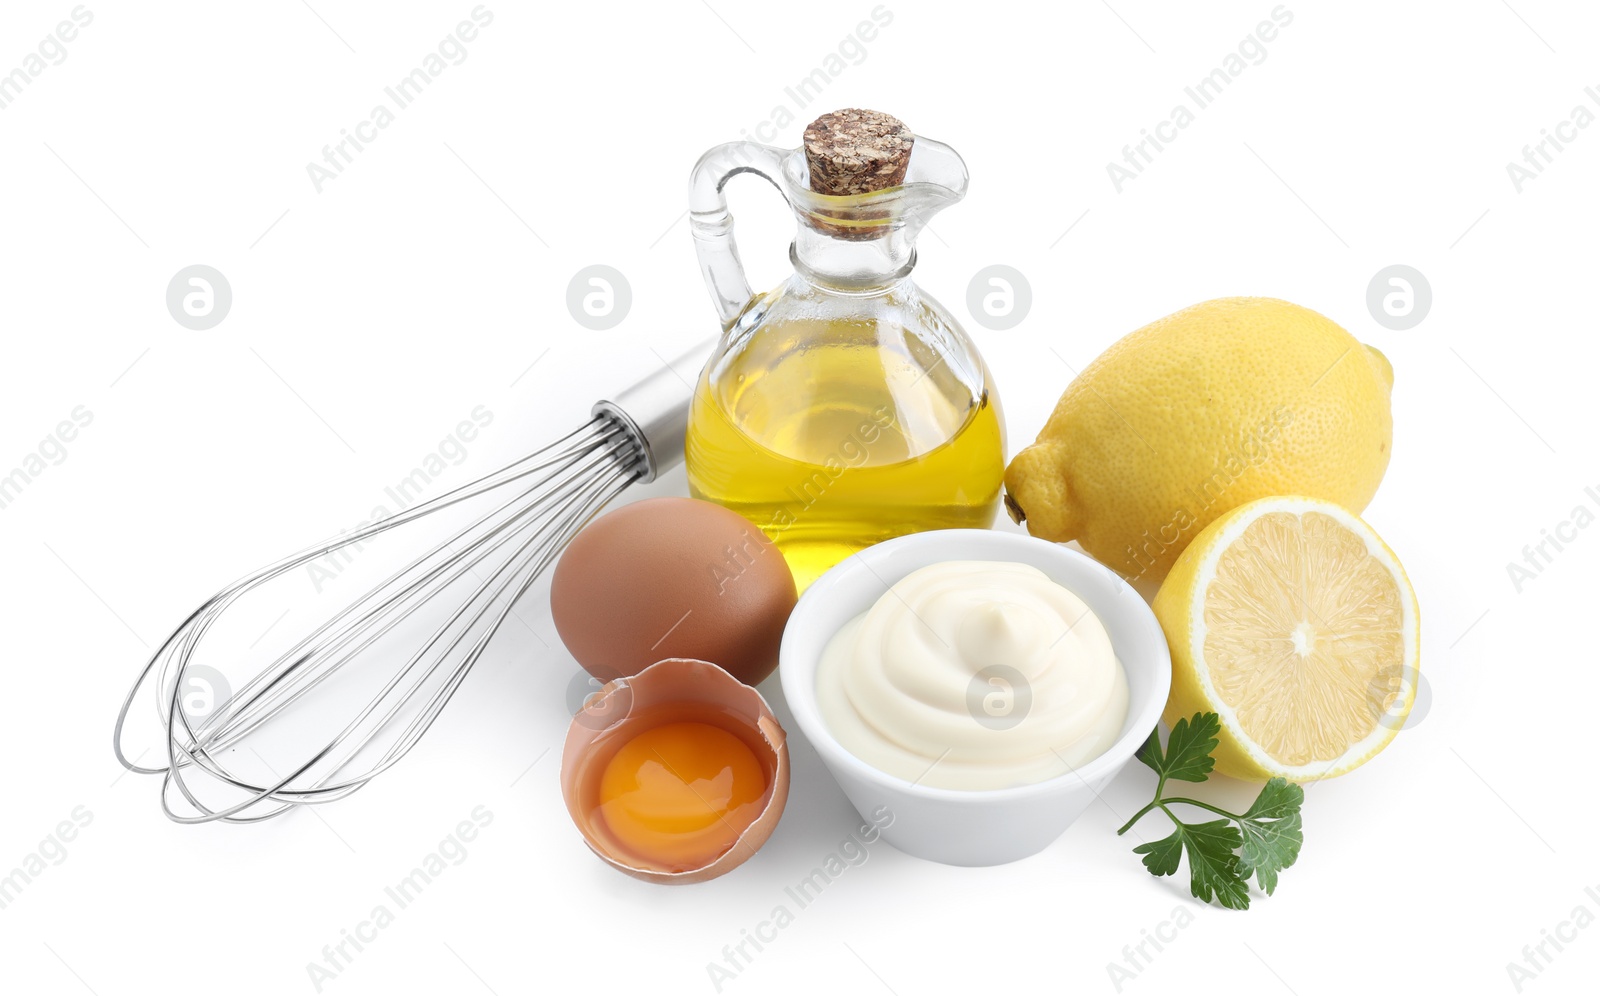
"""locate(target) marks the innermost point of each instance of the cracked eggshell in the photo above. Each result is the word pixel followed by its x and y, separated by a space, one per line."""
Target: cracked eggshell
pixel 629 705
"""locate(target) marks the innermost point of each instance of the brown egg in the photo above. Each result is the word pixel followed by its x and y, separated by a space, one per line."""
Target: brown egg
pixel 669 692
pixel 672 577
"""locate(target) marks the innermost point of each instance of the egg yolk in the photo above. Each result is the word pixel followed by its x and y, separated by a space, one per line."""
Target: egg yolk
pixel 679 795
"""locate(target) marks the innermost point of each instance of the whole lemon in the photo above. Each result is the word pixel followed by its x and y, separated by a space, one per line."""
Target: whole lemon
pixel 1196 414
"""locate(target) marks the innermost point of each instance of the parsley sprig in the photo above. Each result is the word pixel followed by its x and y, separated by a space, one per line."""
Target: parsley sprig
pixel 1223 854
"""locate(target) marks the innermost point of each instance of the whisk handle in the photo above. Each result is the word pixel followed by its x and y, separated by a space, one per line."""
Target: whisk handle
pixel 656 411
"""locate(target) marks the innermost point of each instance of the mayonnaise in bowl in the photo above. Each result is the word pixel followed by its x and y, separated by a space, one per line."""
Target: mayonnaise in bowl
pixel 974 675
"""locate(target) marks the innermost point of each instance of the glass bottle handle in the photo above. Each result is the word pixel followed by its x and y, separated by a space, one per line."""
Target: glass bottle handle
pixel 712 225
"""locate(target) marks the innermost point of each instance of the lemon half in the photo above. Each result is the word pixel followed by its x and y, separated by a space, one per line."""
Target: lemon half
pixel 1293 622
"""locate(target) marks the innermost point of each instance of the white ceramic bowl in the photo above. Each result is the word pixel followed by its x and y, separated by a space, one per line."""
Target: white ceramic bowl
pixel 954 826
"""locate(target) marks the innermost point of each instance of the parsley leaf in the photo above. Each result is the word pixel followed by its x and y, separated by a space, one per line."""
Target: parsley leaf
pixel 1213 865
pixel 1272 836
pixel 1223 854
pixel 1188 757
pixel 1162 856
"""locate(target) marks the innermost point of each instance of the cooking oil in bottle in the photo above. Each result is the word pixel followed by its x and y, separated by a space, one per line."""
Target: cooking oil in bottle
pixel 845 407
pixel 831 439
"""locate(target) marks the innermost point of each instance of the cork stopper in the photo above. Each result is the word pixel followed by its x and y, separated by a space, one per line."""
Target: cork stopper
pixel 855 151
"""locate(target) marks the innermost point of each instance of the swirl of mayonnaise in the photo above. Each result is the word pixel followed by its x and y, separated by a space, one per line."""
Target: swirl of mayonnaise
pixel 974 675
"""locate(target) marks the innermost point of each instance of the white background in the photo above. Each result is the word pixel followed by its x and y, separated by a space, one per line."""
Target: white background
pixel 430 278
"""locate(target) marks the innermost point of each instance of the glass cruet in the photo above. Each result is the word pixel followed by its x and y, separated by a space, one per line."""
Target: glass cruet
pixel 845 406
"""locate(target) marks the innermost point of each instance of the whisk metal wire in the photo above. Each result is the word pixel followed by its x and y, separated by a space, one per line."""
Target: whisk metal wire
pixel 553 493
